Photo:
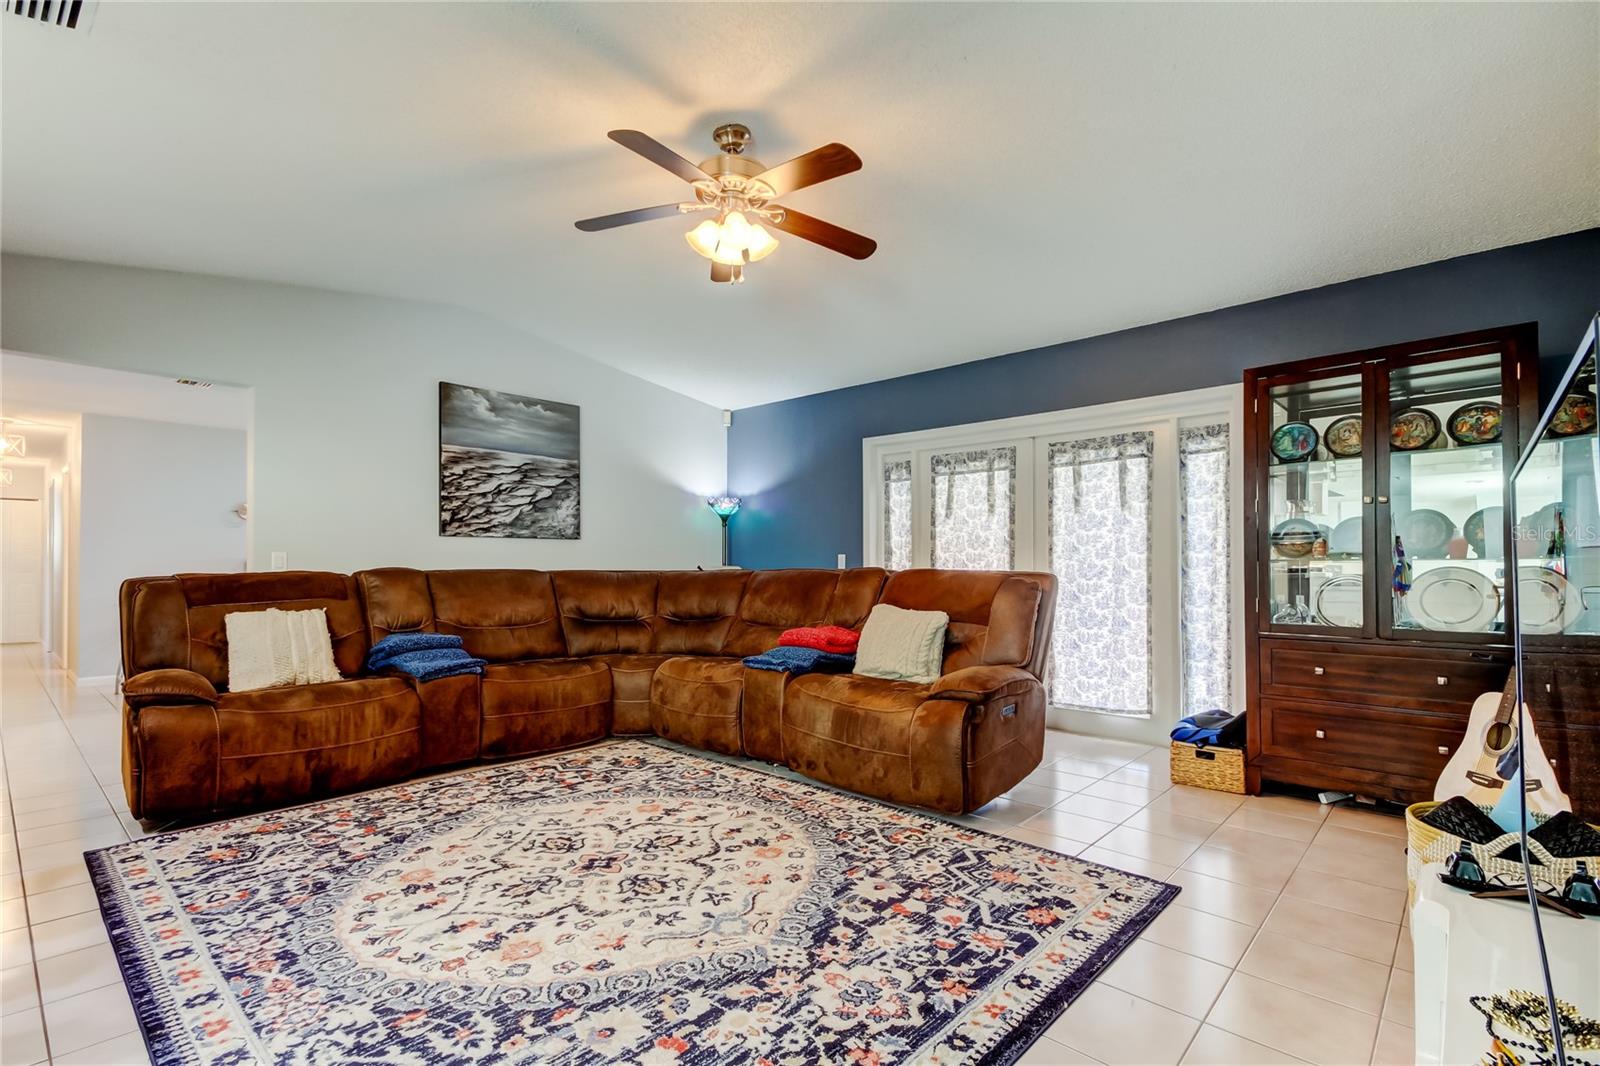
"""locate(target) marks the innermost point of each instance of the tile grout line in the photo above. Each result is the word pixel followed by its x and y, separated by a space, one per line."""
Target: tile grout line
pixel 1279 894
pixel 44 1023
pixel 22 884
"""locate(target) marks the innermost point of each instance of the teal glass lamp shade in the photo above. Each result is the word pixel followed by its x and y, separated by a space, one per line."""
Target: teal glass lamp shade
pixel 724 506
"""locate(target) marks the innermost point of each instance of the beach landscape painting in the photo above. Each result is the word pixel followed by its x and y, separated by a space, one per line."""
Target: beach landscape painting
pixel 508 465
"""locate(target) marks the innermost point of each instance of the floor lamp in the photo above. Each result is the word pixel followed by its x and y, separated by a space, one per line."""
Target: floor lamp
pixel 725 507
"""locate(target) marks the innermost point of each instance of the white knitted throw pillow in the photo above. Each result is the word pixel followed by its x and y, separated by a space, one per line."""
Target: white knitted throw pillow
pixel 273 647
pixel 902 645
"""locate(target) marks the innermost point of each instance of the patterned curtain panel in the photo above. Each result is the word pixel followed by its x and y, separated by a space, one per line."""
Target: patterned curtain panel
pixel 1100 553
pixel 897 514
pixel 974 505
pixel 1207 585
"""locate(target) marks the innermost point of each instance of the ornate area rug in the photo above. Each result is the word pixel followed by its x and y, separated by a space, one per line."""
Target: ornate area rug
pixel 621 903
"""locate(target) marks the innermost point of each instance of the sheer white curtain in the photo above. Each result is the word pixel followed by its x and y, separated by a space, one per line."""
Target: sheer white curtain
pixel 974 509
pixel 897 514
pixel 1100 553
pixel 1206 580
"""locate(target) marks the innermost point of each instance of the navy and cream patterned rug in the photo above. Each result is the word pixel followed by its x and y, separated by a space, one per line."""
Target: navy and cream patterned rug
pixel 620 903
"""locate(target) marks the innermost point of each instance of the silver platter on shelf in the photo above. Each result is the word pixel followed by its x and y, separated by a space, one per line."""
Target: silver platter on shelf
pixel 1345 538
pixel 1339 602
pixel 1453 599
pixel 1546 600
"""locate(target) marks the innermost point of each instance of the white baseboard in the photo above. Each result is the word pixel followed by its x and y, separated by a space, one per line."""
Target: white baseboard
pixel 101 681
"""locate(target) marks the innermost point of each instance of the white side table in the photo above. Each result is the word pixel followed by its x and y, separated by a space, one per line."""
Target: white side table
pixel 1467 947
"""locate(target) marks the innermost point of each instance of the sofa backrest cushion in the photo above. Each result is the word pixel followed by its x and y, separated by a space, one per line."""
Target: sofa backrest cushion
pixel 776 600
pixel 606 611
pixel 395 599
pixel 500 615
pixel 854 596
pixel 695 609
pixel 994 615
pixel 177 622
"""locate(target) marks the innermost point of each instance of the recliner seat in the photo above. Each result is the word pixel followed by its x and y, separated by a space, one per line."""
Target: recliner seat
pixel 573 657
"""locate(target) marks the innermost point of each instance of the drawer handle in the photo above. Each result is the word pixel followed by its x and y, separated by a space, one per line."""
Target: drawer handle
pixel 1443 750
pixel 1442 680
pixel 1319 671
pixel 1321 735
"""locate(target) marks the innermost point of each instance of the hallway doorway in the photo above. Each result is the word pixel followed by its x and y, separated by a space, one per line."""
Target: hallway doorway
pixel 22 567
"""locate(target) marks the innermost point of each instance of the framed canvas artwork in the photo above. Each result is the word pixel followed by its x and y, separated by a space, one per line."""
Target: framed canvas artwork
pixel 508 465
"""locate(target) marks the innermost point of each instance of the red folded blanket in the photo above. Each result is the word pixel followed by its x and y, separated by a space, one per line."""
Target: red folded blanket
pixel 836 639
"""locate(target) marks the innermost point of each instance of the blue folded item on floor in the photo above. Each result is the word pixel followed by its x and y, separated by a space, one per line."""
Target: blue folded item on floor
pixel 425 656
pixel 802 661
pixel 1215 728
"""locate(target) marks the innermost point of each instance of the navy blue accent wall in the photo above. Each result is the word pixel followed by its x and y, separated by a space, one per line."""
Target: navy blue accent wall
pixel 797 463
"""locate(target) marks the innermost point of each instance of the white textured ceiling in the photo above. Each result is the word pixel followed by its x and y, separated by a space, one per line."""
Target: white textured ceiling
pixel 1033 173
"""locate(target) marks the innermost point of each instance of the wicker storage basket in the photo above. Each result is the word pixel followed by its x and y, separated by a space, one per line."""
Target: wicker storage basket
pixel 1219 769
pixel 1425 844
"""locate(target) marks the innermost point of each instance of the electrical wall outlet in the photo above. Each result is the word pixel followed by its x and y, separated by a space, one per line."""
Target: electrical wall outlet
pixel 280 560
pixel 842 563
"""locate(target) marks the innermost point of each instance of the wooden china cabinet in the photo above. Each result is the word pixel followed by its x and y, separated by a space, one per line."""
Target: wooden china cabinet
pixel 1351 685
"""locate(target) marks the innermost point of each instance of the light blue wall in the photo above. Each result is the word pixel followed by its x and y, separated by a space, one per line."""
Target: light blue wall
pixel 797 464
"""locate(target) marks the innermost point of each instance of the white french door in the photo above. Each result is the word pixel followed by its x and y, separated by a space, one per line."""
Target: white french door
pixel 966 507
pixel 21 570
pixel 1135 509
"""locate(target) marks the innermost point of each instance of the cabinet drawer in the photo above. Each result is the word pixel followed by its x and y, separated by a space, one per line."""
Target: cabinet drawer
pixel 1431 679
pixel 1372 738
pixel 1563 692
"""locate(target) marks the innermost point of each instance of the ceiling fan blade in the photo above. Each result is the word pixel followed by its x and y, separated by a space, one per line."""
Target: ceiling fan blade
pixel 721 272
pixel 658 153
pixel 826 234
pixel 626 218
pixel 829 161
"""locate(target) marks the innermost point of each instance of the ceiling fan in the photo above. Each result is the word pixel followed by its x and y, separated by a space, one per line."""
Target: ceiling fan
pixel 739 193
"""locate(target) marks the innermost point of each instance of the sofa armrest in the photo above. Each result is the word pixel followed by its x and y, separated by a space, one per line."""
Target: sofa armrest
pixel 167 686
pixel 976 684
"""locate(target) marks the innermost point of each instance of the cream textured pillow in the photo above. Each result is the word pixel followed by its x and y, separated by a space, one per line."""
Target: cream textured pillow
pixel 902 645
pixel 273 647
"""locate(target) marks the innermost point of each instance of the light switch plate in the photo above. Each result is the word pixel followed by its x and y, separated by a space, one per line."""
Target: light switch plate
pixel 842 563
pixel 280 560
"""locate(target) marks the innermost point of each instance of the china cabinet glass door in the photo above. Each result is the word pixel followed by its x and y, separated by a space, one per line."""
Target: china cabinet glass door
pixel 1442 472
pixel 1316 539
pixel 1558 518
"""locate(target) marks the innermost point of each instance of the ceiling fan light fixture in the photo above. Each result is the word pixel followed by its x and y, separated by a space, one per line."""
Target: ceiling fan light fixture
pixel 705 237
pixel 762 243
pixel 733 241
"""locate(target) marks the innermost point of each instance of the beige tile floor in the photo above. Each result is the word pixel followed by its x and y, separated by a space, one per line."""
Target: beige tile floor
pixel 1287 944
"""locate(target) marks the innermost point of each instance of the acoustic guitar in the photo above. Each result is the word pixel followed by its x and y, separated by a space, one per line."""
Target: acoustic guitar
pixel 1487 757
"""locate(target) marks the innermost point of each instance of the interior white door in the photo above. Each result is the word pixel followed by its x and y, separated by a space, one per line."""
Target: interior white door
pixel 21 570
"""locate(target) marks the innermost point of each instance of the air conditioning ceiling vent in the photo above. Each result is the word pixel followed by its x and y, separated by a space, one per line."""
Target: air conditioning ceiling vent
pixel 68 14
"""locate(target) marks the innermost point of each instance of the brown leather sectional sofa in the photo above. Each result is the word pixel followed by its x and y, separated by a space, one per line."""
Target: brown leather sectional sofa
pixel 574 657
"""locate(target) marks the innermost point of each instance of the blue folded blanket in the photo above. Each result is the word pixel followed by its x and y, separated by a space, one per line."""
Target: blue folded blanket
pixel 425 656
pixel 400 643
pixel 802 661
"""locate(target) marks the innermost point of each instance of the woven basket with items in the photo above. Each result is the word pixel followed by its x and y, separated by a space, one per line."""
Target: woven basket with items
pixel 1208 752
pixel 1219 769
pixel 1556 845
